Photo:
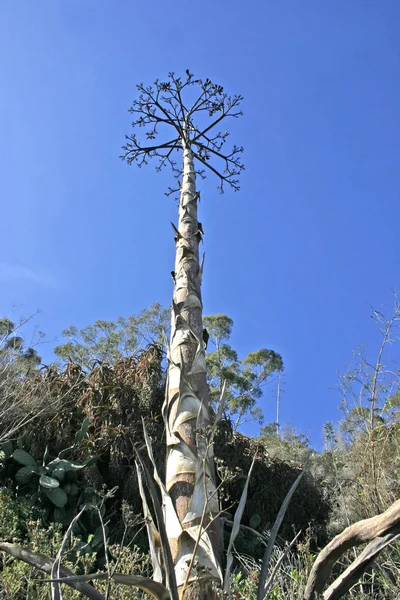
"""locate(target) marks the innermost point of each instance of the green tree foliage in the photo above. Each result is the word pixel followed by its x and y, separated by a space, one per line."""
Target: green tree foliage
pixel 244 378
pixel 14 352
pixel 289 445
pixel 370 431
pixel 109 341
pixel 18 369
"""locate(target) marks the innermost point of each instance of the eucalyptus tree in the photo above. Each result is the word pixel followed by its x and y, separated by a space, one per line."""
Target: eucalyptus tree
pixel 14 352
pixel 109 341
pixel 181 118
pixel 243 379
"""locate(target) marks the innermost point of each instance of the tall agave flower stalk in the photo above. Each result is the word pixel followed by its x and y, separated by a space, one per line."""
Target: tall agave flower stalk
pixel 190 476
pixel 191 517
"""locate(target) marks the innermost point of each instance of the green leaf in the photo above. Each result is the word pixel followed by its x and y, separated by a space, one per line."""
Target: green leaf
pixel 89 491
pixel 7 448
pixel 58 473
pixel 24 458
pixel 83 431
pixel 67 465
pixel 67 488
pixel 24 475
pixel 98 539
pixel 255 520
pixel 57 496
pixel 74 491
pixel 48 482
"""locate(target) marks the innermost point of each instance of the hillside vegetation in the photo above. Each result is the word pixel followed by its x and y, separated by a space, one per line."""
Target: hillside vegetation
pixel 69 431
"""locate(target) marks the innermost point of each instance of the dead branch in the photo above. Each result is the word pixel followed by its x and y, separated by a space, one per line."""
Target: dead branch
pixel 376 528
pixel 353 573
pixel 44 563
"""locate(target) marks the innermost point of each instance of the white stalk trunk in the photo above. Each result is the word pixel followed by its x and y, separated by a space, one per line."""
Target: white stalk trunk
pixel 190 479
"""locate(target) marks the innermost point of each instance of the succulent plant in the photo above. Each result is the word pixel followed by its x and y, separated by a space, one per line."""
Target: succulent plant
pixel 56 479
pixel 51 477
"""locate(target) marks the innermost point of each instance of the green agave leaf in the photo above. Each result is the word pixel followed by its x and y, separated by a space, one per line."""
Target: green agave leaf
pixel 83 431
pixel 48 482
pixel 24 475
pixel 24 458
pixel 57 496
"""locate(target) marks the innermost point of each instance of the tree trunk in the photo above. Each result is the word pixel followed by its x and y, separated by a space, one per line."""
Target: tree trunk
pixel 190 477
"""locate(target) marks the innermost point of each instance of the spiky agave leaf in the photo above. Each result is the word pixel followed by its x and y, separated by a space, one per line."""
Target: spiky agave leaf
pixel 155 553
pixel 274 532
pixel 235 528
pixel 161 525
pixel 173 527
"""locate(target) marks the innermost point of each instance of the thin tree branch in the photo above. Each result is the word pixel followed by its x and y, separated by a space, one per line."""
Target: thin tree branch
pixel 226 113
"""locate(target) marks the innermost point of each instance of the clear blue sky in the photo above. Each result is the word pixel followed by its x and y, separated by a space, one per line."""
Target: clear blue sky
pixel 294 258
